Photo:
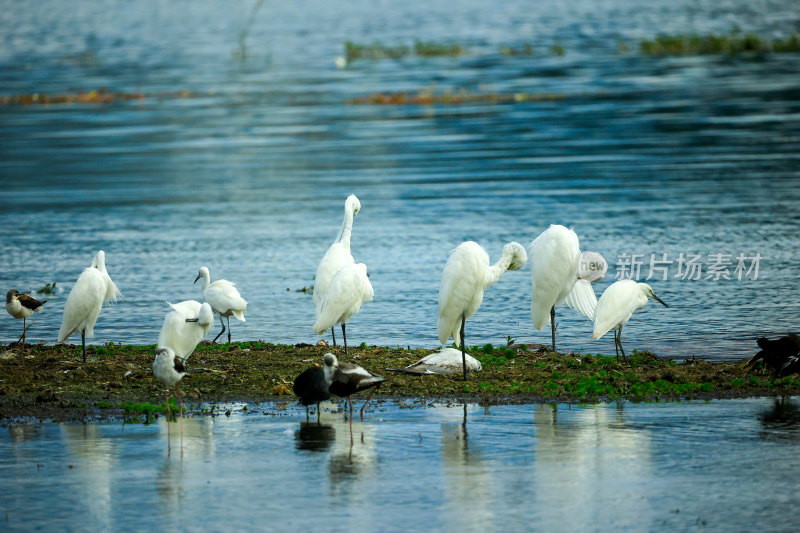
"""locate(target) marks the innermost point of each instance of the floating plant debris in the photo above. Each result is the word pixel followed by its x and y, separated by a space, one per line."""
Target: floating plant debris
pixel 429 97
pixel 711 44
pixel 99 96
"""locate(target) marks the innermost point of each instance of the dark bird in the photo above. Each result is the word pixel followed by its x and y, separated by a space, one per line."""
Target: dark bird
pixel 20 305
pixel 169 369
pixel 346 379
pixel 782 355
pixel 310 386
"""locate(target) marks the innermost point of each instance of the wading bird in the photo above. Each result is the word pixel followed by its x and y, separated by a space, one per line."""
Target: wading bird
pixel 311 387
pixel 616 306
pixel 169 369
pixel 346 379
pixel 223 298
pixel 85 300
pixel 337 256
pixel 466 276
pixel 555 255
pixel 20 305
pixel 781 355
pixel 184 327
pixel 347 291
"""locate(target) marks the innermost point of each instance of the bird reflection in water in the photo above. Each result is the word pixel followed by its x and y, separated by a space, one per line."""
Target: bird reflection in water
pixel 782 421
pixel 314 437
pixel 352 459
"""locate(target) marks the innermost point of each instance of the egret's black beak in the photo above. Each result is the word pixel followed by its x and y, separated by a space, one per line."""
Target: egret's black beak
pixel 198 277
pixel 659 300
pixel 198 320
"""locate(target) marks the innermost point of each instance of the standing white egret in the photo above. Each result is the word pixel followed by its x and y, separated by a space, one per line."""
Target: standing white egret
pixel 348 290
pixel 224 299
pixel 184 327
pixel 169 369
pixel 555 255
pixel 616 306
pixel 466 275
pixel 20 305
pixel 337 255
pixel 85 300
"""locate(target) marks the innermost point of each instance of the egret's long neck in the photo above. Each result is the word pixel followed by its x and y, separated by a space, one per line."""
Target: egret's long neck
pixel 206 281
pixel 496 270
pixel 347 228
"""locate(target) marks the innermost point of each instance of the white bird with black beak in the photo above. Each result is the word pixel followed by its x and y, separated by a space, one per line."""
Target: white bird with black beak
pixel 20 305
pixel 224 299
pixel 85 300
pixel 616 306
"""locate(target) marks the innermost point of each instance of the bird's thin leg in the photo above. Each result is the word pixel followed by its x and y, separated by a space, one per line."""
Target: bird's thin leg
pixel 621 349
pixel 306 414
pixel 166 399
pixel 229 330
pixel 24 329
pixel 463 348
pixel 83 344
pixel 616 346
pixel 553 325
pixel 333 334
pixel 368 399
pixel 221 332
pixel 180 406
pixel 317 412
pixel 345 338
pixel 350 399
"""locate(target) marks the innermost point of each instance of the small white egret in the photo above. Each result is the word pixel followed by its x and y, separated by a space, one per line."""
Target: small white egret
pixel 446 361
pixel 184 327
pixel 311 387
pixel 224 299
pixel 466 276
pixel 337 255
pixel 555 255
pixel 346 379
pixel 20 305
pixel 169 369
pixel 616 305
pixel 85 300
pixel 348 290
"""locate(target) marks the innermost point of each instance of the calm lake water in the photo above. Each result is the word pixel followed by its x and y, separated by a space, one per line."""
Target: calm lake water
pixel 641 155
pixel 606 467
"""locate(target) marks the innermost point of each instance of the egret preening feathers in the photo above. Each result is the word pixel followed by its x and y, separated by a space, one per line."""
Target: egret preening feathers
pixel 616 306
pixel 555 256
pixel 223 298
pixel 348 290
pixel 467 274
pixel 337 256
pixel 184 327
pixel 85 300
pixel 20 305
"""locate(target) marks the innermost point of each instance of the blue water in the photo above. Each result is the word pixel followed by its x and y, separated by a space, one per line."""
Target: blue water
pixel 641 155
pixel 719 465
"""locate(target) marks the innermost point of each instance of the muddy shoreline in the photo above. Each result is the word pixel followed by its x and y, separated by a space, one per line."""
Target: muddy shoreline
pixel 51 383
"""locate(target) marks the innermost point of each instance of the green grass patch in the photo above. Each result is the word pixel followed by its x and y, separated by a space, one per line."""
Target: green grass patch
pixel 712 44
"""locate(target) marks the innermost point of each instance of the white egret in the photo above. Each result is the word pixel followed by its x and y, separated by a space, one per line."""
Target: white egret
pixel 346 379
pixel 169 369
pixel 616 305
pixel 85 300
pixel 311 387
pixel 466 275
pixel 337 255
pixel 20 305
pixel 184 327
pixel 446 361
pixel 224 299
pixel 348 290
pixel 555 255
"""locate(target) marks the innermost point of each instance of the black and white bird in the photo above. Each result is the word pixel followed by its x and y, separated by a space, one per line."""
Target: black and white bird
pixel 345 379
pixel 782 355
pixel 311 387
pixel 169 369
pixel 20 305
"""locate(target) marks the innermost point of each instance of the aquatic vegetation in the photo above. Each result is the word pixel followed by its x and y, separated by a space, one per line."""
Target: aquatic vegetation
pixel 434 49
pixel 712 44
pixel 428 96
pixel 376 50
pixel 49 288
pixel 95 96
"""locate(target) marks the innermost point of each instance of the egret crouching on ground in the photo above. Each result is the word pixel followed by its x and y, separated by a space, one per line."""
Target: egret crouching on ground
pixel 466 275
pixel 616 306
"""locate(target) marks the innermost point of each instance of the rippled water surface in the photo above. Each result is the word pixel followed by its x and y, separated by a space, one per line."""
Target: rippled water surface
pixel 630 467
pixel 248 175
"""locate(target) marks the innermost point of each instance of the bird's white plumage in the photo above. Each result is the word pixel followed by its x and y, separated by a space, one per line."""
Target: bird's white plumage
pixel 582 298
pixel 337 255
pixel 180 336
pixel 466 276
pixel 555 257
pixel 347 291
pixel 16 309
pixel 446 361
pixel 222 296
pixel 164 367
pixel 85 300
pixel 617 304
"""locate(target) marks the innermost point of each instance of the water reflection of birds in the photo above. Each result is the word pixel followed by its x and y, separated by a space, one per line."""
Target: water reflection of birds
pixel 314 437
pixel 781 356
pixel 782 421
pixel 169 369
pixel 467 274
pixel 617 305
pixel 351 460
